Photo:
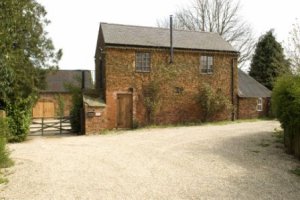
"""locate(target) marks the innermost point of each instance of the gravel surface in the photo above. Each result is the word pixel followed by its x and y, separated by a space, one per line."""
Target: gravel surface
pixel 234 161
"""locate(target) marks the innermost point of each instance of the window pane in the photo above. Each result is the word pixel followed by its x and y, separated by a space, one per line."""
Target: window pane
pixel 210 62
pixel 143 62
pixel 203 61
pixel 206 63
pixel 259 104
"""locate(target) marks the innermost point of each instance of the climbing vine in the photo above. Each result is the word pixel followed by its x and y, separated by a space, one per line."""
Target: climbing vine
pixel 151 99
pixel 211 102
pixel 153 88
pixel 61 106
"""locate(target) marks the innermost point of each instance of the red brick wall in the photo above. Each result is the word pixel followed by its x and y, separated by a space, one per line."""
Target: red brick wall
pixel 247 108
pixel 121 76
pixel 94 124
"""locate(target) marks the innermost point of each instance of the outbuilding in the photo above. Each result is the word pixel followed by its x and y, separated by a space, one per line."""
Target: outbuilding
pixel 253 97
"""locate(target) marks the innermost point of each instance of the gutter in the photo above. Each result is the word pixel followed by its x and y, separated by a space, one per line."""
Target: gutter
pixel 125 46
pixel 171 40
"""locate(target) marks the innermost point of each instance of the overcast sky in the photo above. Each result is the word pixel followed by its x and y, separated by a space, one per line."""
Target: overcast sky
pixel 74 24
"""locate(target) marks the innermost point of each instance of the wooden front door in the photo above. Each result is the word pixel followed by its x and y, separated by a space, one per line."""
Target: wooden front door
pixel 124 111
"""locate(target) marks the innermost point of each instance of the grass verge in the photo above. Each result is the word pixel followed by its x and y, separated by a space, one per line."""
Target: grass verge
pixel 5 161
pixel 296 171
pixel 278 135
pixel 3 180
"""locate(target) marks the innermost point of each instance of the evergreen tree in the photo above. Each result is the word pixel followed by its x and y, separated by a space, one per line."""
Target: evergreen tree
pixel 268 61
pixel 26 52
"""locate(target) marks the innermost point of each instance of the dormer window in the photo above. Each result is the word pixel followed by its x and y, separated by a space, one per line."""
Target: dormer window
pixel 142 62
pixel 206 64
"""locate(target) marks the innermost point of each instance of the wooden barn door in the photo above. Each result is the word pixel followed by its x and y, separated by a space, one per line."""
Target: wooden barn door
pixel 37 111
pixel 49 109
pixel 124 111
pixel 43 109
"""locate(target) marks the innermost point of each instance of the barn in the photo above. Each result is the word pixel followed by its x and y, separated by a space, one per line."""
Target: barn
pixel 57 94
pixel 253 98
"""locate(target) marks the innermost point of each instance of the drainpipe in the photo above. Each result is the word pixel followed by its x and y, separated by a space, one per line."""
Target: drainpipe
pixel 171 40
pixel 232 90
pixel 82 80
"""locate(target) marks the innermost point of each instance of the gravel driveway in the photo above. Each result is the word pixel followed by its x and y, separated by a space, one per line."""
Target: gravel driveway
pixel 234 161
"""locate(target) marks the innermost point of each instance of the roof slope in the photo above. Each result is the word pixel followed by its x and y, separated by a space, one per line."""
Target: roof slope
pixel 249 87
pixel 128 35
pixel 57 80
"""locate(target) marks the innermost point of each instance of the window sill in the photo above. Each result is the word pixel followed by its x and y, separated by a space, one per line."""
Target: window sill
pixel 142 71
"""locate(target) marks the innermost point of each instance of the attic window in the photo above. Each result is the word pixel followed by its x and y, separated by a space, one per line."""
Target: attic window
pixel 142 62
pixel 259 106
pixel 206 64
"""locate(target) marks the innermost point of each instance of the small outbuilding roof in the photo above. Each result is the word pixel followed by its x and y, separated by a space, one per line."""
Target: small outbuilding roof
pixel 249 87
pixel 93 101
pixel 56 81
pixel 140 36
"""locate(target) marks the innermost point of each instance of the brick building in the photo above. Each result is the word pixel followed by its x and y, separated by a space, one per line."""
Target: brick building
pixel 253 98
pixel 56 87
pixel 129 58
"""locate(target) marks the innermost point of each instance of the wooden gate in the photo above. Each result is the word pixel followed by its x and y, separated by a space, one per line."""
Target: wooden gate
pixel 124 111
pixel 50 126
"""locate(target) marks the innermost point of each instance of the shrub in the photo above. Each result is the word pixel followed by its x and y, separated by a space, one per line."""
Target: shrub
pixel 77 105
pixel 19 119
pixel 286 105
pixel 211 102
pixel 60 111
pixel 135 124
pixel 4 154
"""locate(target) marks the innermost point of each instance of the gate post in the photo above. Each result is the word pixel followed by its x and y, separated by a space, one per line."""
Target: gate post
pixel 60 125
pixel 2 114
pixel 42 126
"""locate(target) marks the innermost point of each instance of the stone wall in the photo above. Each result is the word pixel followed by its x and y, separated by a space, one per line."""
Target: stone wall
pixel 247 108
pixel 174 107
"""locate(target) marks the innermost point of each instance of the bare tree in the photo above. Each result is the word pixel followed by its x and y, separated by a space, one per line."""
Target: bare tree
pixel 221 16
pixel 293 47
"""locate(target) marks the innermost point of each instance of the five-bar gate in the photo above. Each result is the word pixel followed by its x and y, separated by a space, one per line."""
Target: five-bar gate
pixel 50 126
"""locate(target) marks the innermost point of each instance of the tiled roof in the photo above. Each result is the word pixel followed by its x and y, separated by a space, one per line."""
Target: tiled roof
pixel 56 81
pixel 127 35
pixel 249 87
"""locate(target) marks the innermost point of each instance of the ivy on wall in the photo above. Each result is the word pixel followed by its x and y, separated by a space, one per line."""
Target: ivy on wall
pixel 211 102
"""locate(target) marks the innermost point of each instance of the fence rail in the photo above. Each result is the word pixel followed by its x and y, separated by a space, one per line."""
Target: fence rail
pixel 50 126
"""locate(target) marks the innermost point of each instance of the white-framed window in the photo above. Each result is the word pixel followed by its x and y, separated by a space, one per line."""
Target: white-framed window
pixel 206 64
pixel 259 106
pixel 142 62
